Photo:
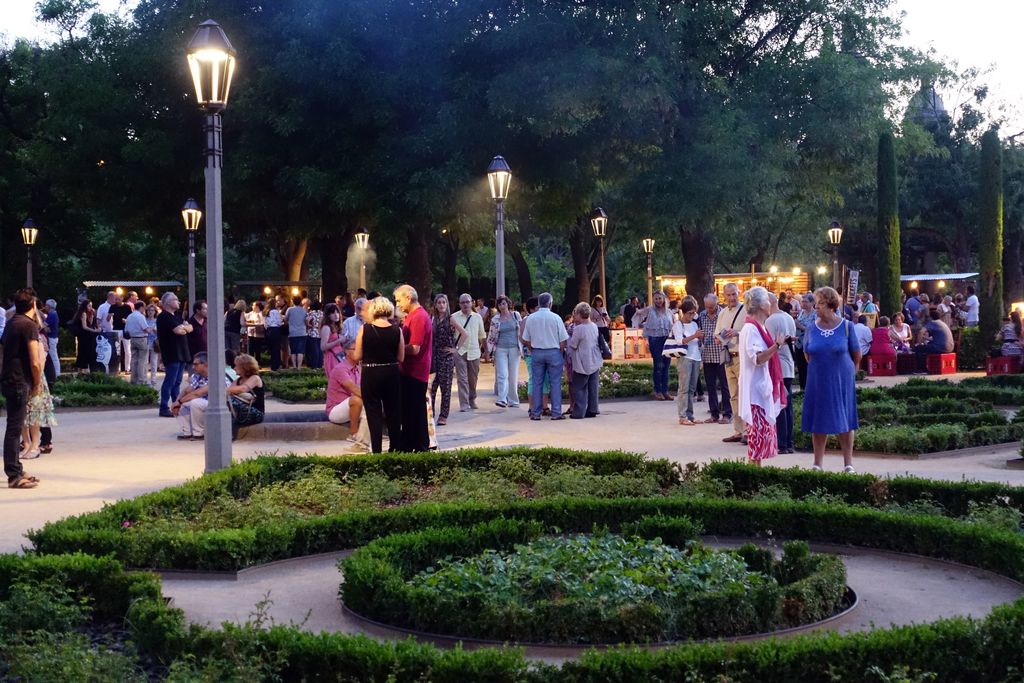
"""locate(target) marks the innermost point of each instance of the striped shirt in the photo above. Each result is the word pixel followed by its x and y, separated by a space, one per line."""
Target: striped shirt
pixel 711 350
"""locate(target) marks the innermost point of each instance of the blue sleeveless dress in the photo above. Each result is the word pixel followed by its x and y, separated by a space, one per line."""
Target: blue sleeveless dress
pixel 830 400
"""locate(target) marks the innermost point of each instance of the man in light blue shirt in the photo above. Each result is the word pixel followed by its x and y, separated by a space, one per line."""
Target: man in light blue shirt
pixel 350 328
pixel 544 332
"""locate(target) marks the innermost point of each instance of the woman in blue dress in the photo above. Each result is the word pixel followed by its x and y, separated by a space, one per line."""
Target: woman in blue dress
pixel 830 400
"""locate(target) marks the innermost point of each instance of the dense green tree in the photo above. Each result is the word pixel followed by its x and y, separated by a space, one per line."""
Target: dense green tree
pixel 889 290
pixel 990 233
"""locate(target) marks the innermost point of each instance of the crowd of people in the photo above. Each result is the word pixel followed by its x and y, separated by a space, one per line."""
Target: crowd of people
pixel 386 363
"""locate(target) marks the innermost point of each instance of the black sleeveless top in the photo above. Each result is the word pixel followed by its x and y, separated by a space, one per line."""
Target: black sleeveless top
pixel 380 344
pixel 259 393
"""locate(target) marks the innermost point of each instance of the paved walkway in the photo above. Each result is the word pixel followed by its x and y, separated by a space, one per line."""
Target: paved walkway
pixel 893 590
pixel 101 456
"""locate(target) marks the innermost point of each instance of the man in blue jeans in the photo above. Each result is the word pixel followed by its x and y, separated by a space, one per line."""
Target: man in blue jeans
pixel 170 334
pixel 544 332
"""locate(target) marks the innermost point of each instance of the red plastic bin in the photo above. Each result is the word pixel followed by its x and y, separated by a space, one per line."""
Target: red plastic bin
pixel 1002 365
pixel 941 363
pixel 881 366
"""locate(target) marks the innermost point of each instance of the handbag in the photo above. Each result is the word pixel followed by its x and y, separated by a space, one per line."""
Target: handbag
pixel 243 412
pixel 602 346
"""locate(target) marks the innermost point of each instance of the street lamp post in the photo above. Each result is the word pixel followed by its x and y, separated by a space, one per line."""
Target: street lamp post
pixel 211 61
pixel 599 221
pixel 649 250
pixel 835 236
pixel 190 216
pixel 362 241
pixel 29 234
pixel 499 177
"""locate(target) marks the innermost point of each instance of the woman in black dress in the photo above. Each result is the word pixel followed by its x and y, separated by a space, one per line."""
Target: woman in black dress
pixel 380 347
pixel 86 330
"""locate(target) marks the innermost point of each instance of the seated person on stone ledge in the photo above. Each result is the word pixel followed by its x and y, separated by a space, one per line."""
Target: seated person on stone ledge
pixel 936 338
pixel 344 398
pixel 899 334
pixel 864 335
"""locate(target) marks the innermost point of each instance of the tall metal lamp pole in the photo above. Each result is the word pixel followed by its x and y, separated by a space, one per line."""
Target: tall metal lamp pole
pixel 211 61
pixel 649 249
pixel 29 234
pixel 362 241
pixel 835 236
pixel 499 177
pixel 599 221
pixel 190 216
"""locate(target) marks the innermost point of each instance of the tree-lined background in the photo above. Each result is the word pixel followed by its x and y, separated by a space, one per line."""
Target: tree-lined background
pixel 730 131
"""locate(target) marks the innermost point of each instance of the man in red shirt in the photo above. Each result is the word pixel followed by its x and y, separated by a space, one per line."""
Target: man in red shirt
pixel 419 334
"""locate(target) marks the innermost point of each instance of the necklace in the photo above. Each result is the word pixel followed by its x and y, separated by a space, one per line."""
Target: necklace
pixel 825 333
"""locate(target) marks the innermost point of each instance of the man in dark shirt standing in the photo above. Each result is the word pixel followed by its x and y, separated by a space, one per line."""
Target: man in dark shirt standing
pixel 197 335
pixel 19 380
pixel 170 334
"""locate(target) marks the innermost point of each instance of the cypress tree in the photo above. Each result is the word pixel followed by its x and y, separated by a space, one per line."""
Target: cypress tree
pixel 990 240
pixel 889 291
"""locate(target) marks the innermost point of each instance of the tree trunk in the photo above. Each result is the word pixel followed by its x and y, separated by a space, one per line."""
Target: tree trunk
pixel 522 270
pixel 1013 275
pixel 290 255
pixel 449 280
pixel 699 258
pixel 580 259
pixel 417 261
pixel 333 261
pixel 990 235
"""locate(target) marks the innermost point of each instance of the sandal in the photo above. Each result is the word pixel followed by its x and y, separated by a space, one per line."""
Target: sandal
pixel 686 421
pixel 31 455
pixel 442 422
pixel 711 420
pixel 23 482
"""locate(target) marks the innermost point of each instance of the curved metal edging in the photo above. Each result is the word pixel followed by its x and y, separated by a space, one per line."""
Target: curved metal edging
pixel 850 599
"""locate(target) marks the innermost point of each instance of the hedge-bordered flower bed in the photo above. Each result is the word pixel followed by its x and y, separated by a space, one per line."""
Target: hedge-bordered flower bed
pixel 953 649
pixel 113 531
pixel 390 580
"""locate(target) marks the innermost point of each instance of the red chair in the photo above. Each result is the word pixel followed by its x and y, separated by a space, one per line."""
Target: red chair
pixel 881 366
pixel 941 363
pixel 1002 365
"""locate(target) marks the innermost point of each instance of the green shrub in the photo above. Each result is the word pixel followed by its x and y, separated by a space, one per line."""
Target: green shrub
pixel 584 588
pixel 973 350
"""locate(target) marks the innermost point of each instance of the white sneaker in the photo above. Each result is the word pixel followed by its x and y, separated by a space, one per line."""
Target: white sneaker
pixel 816 468
pixel 849 470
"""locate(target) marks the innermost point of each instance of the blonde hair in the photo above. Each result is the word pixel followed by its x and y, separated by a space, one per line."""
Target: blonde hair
pixel 829 296
pixel 247 365
pixel 381 307
pixel 240 305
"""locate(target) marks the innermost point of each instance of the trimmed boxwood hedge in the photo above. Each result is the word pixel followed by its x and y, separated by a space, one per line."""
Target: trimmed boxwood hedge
pixel 110 531
pixel 955 650
pixel 806 588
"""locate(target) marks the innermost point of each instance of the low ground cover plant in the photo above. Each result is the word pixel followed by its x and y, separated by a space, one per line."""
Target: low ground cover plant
pixel 504 580
pixel 98 389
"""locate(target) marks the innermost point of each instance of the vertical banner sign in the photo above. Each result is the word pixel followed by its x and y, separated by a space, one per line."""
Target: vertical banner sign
pixel 851 287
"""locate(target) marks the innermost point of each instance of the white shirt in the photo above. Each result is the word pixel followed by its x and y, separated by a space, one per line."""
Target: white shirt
pixel 544 329
pixel 863 333
pixel 755 380
pixel 973 305
pixel 103 315
pixel 136 325
pixel 680 331
pixel 783 323
pixel 469 345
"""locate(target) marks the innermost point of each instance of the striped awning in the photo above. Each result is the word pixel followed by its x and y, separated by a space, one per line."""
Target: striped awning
pixel 132 283
pixel 937 276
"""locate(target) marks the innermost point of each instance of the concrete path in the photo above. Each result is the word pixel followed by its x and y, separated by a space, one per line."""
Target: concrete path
pixel 101 456
pixel 893 589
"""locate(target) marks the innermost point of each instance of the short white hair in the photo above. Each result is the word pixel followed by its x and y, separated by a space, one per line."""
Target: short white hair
pixel 756 298
pixel 711 296
pixel 582 310
pixel 409 291
pixel 727 285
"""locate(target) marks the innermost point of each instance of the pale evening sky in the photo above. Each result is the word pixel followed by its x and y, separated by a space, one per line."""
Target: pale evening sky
pixel 981 34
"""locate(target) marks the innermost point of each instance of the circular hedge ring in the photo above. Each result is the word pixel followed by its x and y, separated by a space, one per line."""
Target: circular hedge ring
pixel 587 589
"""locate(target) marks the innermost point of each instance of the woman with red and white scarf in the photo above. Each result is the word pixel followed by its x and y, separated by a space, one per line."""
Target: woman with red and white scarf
pixel 762 392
